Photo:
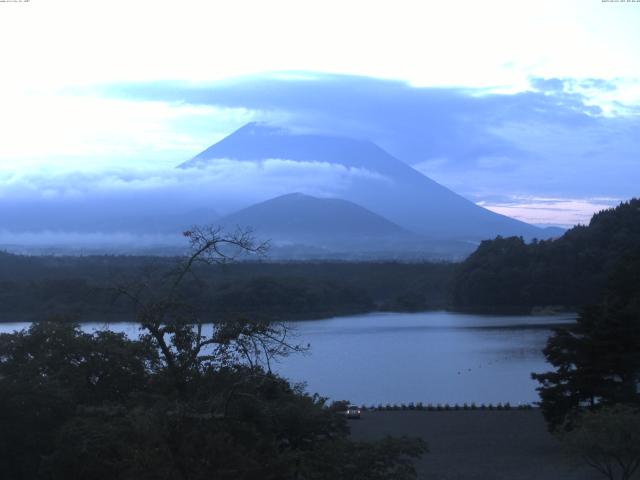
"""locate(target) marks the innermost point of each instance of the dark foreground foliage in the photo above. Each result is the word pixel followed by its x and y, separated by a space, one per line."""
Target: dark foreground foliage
pixel 182 402
pixel 597 361
pixel 608 440
pixel 33 287
pixel 75 405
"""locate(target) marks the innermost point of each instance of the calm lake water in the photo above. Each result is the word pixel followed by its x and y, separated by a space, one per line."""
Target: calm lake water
pixel 432 357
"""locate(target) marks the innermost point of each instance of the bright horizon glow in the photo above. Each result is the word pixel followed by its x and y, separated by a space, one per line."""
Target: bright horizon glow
pixel 476 44
pixel 557 212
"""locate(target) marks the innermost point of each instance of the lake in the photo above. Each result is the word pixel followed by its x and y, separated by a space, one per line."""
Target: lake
pixel 430 357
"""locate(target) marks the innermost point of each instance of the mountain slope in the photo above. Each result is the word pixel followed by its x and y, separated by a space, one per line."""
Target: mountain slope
pixel 393 189
pixel 303 227
pixel 297 215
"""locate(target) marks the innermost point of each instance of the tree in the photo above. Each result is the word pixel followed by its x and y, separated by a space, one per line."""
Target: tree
pixel 162 307
pixel 49 370
pixel 598 359
pixel 180 402
pixel 608 440
pixel 570 271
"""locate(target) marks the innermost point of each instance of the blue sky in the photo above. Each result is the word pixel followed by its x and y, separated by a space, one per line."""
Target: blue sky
pixel 529 108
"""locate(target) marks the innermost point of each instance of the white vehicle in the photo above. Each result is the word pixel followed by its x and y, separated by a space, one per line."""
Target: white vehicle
pixel 353 412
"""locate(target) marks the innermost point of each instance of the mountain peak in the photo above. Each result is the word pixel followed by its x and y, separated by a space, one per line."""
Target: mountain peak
pixel 260 141
pixel 261 128
pixel 300 215
pixel 363 173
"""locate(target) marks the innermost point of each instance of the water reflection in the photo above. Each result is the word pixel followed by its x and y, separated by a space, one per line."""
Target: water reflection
pixel 432 357
pixel 437 357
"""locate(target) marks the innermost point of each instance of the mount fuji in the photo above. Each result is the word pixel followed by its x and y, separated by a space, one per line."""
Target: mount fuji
pixel 382 183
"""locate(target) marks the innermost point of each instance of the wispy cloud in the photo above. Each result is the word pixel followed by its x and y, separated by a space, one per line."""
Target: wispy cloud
pixel 218 175
pixel 93 199
pixel 563 212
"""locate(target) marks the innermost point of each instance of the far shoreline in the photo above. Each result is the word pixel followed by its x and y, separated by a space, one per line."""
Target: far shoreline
pixel 74 317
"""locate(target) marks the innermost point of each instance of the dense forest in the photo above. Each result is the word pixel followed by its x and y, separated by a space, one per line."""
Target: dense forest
pixel 502 275
pixel 176 403
pixel 85 287
pixel 571 271
pixel 597 359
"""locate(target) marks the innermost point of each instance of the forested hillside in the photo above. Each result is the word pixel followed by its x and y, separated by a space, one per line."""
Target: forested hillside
pixel 85 287
pixel 507 273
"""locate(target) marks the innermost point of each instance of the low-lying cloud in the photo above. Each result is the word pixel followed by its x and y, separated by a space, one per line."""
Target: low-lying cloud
pixel 135 199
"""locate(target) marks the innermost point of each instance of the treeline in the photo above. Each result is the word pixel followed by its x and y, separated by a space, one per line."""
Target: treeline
pixel 86 287
pixel 502 275
pixel 597 359
pixel 177 402
pixel 571 271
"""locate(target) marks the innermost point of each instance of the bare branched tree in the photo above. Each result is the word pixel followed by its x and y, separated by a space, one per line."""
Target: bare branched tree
pixel 187 342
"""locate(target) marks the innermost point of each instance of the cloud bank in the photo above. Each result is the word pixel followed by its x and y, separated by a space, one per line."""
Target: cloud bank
pixel 164 199
pixel 561 139
pixel 554 140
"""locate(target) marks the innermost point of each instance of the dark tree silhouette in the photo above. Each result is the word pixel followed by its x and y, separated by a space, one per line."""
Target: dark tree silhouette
pixel 597 361
pixel 608 440
pixel 183 401
pixel 571 271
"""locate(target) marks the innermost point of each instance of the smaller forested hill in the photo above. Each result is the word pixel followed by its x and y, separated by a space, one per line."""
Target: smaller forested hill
pixel 300 215
pixel 507 273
